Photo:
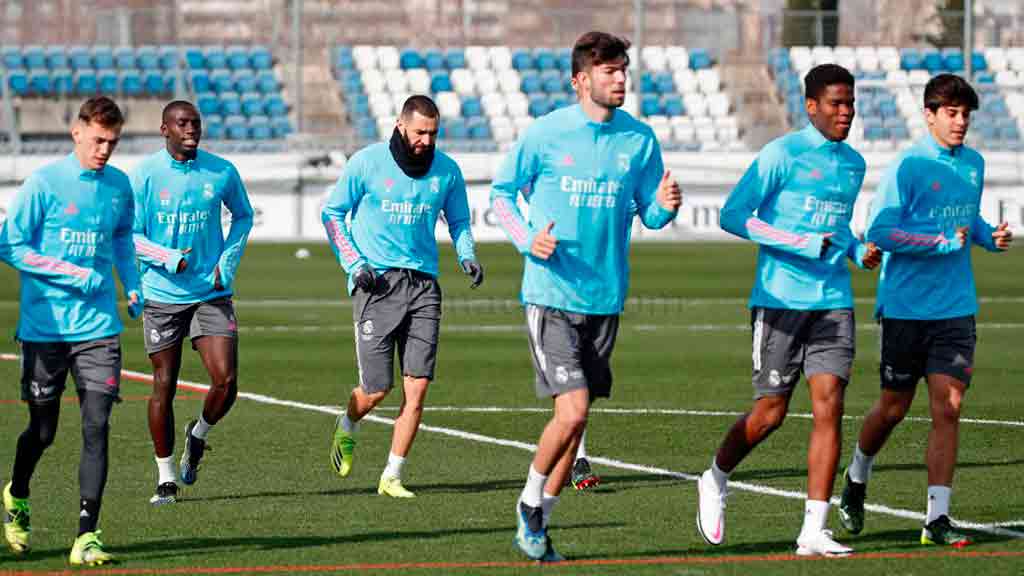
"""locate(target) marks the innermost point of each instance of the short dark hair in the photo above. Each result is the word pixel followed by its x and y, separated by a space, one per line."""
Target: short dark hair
pixel 418 103
pixel 101 110
pixel 824 75
pixel 177 105
pixel 598 48
pixel 949 90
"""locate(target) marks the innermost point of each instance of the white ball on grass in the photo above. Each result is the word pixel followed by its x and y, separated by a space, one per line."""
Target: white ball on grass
pixel 302 253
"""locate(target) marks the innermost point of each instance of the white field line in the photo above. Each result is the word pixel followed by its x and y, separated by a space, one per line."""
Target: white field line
pixel 735 485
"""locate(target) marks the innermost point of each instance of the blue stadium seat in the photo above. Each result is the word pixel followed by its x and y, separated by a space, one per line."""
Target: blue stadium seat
pixel 194 57
pixel 530 82
pixel 561 100
pixel 455 58
pixel 985 78
pixel 57 58
pixel 200 80
pixel 86 82
pixel 80 57
pixel 260 58
pixel 539 105
pixel 215 57
pixel 230 104
pixel 471 107
pixel 545 59
pixel 953 61
pixel 108 81
pixel 238 58
pixel 169 57
pixel 910 59
pixel 899 132
pixel 281 127
pixel 434 59
pixel 35 57
pixel 245 81
pixel 253 105
pixel 275 106
pixel 130 83
pixel 367 129
pixel 551 81
pixel 266 82
pixel 259 128
pixel 222 81
pixel 39 82
pixel 147 58
pixel 440 82
pixel 1010 132
pixel 522 60
pixel 124 57
pixel 647 84
pixel 208 104
pixel 213 127
pixel 170 81
pixel 153 82
pixel 565 60
pixel 479 129
pixel 236 128
pixel 103 57
pixel 700 59
pixel 664 84
pixel 651 105
pixel 410 58
pixel 673 105
pixel 11 57
pixel 343 58
pixel 933 61
pixel 888 108
pixel 358 105
pixel 63 82
pixel 456 129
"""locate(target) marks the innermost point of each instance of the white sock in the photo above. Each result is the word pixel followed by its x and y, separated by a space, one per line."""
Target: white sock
pixel 394 467
pixel 201 429
pixel 347 424
pixel 815 516
pixel 533 491
pixel 938 502
pixel 548 504
pixel 721 478
pixel 165 469
pixel 860 466
pixel 581 450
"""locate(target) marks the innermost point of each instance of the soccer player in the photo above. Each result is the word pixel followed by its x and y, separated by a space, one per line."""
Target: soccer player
pixel 394 193
pixel 925 217
pixel 795 202
pixel 70 221
pixel 580 169
pixel 188 268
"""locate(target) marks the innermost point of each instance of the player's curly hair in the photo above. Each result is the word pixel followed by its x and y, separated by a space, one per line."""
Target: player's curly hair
pixel 824 75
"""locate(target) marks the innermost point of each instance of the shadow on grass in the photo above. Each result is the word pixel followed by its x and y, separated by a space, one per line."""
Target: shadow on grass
pixel 770 473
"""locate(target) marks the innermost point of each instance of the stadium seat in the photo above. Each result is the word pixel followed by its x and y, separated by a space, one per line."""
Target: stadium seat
pixel 222 81
pixel 130 83
pixel 195 57
pixel 501 58
pixel 654 58
pixel 545 59
pixel 253 105
pixel 108 81
pixel 57 58
pixel 434 59
pixel 539 105
pixel 381 105
pixel 145 57
pixel 410 58
pixel 395 80
pixel 365 58
pixel 564 56
pixel 34 57
pixel 561 100
pixel 103 58
pixel 281 127
pixel 169 57
pixel 244 80
pixel 200 81
pixel 230 104
pixel 343 58
pixel 479 129
pixel 259 128
pixel 63 82
pixel 80 58
pixel 236 128
pixel 463 82
pixel 478 57
pixel 11 57
pixel 448 104
pixel 440 82
pixel 455 58
pixel 494 104
pixel 709 81
pixel 260 58
pixel 418 80
pixel 472 107
pixel 552 81
pixel 213 127
pixel 673 105
pixel 650 105
pixel 267 83
pixel 387 57
pixel 39 83
pixel 696 105
pixel 530 82
pixel 663 83
pixel 518 105
pixel 153 82
pixel 373 81
pixel 215 57
pixel 522 60
pixel 85 82
pixel 503 129
pixel 238 58
pixel 686 81
pixel 124 58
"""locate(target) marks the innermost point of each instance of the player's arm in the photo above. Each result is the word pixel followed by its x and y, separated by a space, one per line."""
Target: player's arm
pixel 739 214
pixel 456 212
pixel 518 171
pixel 657 197
pixel 342 199
pixel 886 227
pixel 24 222
pixel 992 238
pixel 148 252
pixel 124 257
pixel 237 201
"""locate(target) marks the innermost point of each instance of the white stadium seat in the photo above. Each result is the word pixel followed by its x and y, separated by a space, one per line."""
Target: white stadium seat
pixel 509 81
pixel 663 132
pixel 995 57
pixel 654 58
pixel 385 126
pixel 678 58
pixel 896 78
pixel 494 104
pixel 463 81
pixel 501 58
pixel 477 57
pixel 686 81
pixel 522 123
pixel 918 77
pixel 709 80
pixel 518 105
pixel 696 105
pixel 486 81
pixel 449 104
pixel 381 105
pixel 684 133
pixel 387 57
pixel 718 104
pixel 395 80
pixel 419 80
pixel 503 128
pixel 365 57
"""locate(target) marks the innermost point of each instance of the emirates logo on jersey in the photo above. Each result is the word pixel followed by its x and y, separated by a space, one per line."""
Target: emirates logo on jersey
pixel 71 210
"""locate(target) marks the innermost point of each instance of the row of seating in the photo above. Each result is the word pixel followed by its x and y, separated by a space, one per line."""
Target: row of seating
pixel 240 128
pixel 888 58
pixel 35 57
pixel 222 80
pixel 87 82
pixel 251 104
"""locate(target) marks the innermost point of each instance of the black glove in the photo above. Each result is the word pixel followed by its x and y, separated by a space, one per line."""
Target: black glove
pixel 474 270
pixel 365 279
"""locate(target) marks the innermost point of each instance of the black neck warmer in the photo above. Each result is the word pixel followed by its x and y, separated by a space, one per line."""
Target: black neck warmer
pixel 414 166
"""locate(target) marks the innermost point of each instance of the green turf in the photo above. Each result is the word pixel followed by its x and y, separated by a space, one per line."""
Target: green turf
pixel 266 495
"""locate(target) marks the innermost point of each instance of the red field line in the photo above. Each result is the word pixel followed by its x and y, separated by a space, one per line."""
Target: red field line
pixel 656 561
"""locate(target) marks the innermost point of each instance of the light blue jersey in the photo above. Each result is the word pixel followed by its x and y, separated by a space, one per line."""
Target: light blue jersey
pixel 800 187
pixel 393 215
pixel 177 207
pixel 66 229
pixel 925 195
pixel 590 179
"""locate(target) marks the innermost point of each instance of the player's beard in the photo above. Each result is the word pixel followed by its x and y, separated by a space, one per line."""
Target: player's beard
pixel 414 165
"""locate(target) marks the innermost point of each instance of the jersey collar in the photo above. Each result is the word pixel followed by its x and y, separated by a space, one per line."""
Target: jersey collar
pixel 939 149
pixel 178 165
pixel 817 139
pixel 84 172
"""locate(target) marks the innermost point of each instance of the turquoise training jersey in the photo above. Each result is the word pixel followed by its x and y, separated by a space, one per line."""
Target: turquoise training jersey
pixel 924 196
pixel 800 188
pixel 393 216
pixel 66 229
pixel 178 207
pixel 589 179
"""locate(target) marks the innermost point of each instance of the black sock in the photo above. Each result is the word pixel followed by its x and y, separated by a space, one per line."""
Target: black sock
pixel 88 516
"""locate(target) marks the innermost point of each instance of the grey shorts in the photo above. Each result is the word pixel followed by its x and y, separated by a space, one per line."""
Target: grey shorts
pixel 403 312
pixel 571 351
pixel 165 325
pixel 95 365
pixel 788 342
pixel 912 349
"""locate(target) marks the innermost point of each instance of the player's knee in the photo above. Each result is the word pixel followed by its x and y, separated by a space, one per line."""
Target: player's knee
pixel 947 410
pixel 44 433
pixel 225 380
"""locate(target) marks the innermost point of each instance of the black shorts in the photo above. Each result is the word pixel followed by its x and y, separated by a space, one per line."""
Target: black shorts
pixel 95 365
pixel 912 349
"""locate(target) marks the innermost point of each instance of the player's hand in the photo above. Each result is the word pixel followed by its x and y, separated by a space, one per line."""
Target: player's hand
pixel 365 279
pixel 475 271
pixel 134 304
pixel 183 263
pixel 218 284
pixel 669 195
pixel 1003 236
pixel 872 256
pixel 962 234
pixel 544 243
pixel 826 243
